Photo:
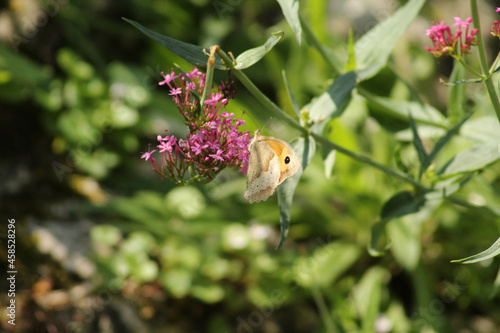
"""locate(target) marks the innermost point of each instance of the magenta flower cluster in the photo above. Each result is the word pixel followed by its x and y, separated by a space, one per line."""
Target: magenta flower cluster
pixel 495 28
pixel 213 141
pixel 455 45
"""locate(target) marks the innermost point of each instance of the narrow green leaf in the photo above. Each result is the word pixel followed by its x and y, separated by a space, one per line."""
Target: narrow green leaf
pixel 293 101
pixel 329 157
pixel 491 252
pixel 305 149
pixel 402 203
pixel 374 48
pixel 445 139
pixel 473 159
pixel 251 56
pixel 459 82
pixel 191 53
pixel 330 103
pixel 447 187
pixel 290 9
pixel 350 64
pixel 424 159
pixel 376 232
pixel 496 286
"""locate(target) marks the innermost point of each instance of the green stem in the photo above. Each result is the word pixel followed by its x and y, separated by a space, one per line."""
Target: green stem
pixel 325 142
pixel 482 60
pixel 209 76
pixel 267 103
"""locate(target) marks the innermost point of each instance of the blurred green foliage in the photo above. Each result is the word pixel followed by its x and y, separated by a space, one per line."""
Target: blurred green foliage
pixel 79 98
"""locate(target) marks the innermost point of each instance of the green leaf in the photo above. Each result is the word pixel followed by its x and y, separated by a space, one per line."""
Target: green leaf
pixel 290 9
pixel 377 230
pixel 473 159
pixel 305 149
pixel 444 140
pixel 374 48
pixel 251 56
pixel 455 83
pixel 330 103
pixel 424 159
pixel 491 252
pixel 402 203
pixel 484 129
pixel 191 53
pixel 329 157
pixel 447 187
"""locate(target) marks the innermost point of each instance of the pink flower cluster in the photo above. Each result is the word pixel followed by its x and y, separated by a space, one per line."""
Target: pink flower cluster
pixel 213 141
pixel 495 28
pixel 448 44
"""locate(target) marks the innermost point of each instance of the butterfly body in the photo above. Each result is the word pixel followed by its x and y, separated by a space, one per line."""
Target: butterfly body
pixel 271 161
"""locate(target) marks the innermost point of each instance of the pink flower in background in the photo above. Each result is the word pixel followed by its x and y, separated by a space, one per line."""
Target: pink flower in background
pixel 448 44
pixel 213 141
pixel 495 28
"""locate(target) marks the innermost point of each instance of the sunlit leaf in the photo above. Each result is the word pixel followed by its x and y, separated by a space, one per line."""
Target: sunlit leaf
pixel 374 48
pixel 423 157
pixel 473 159
pixel 331 103
pixel 250 57
pixel 491 252
pixel 329 157
pixel 290 9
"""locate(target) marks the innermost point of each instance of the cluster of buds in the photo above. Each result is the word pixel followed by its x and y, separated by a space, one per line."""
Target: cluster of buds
pixel 213 141
pixel 448 44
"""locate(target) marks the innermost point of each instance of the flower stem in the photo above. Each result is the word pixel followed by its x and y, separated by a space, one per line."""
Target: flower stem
pixel 210 75
pixel 482 60
pixel 325 142
pixel 266 102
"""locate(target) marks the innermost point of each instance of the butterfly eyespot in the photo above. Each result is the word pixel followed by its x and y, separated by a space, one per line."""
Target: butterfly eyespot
pixel 287 160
